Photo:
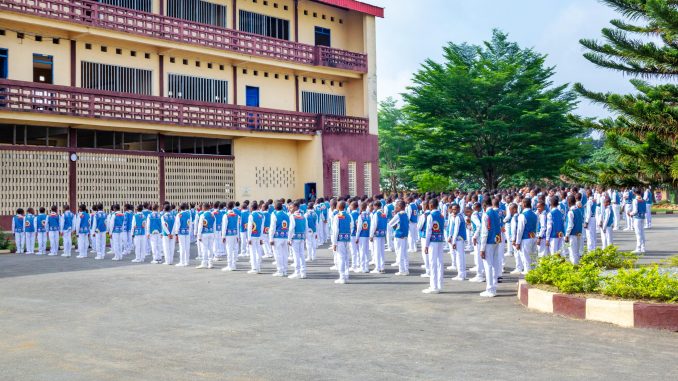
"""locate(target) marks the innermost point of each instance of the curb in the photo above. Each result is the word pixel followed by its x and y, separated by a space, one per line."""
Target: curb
pixel 619 312
pixel 666 212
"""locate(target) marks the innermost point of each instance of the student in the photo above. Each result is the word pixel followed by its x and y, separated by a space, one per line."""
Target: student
pixel 421 229
pixel 296 240
pixel 590 221
pixel 389 210
pixel 266 226
pixel 29 231
pixel 230 234
pixel 525 234
pixel 139 235
pixel 490 236
pixel 378 232
pixel 606 223
pixel 244 217
pixel 648 197
pixel 555 229
pixel 168 241
pixel 628 205
pixel 638 212
pixel 542 222
pixel 412 211
pixel 100 231
pixel 312 239
pixel 342 224
pixel 254 238
pixel 19 229
pixel 401 224
pixel 206 237
pixel 219 248
pixel 117 229
pixel 127 235
pixel 479 268
pixel 615 198
pixel 278 236
pixel 363 239
pixel 456 236
pixel 355 253
pixel 433 246
pixel 154 233
pixel 575 225
pixel 53 230
pixel 82 227
pixel 182 231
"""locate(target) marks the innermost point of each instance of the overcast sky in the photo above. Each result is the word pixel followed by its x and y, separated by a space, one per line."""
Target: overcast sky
pixel 414 30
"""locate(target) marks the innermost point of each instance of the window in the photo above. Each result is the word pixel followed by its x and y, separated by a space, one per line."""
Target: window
pixel 116 78
pixel 198 146
pixel 4 61
pixel 336 178
pixel 198 88
pixel 264 25
pixel 198 11
pixel 33 135
pixel 117 140
pixel 318 103
pixel 139 5
pixel 367 173
pixel 352 181
pixel 43 68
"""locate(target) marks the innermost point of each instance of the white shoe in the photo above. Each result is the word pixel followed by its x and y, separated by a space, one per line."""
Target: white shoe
pixel 249 272
pixel 340 281
pixel 209 265
pixel 180 265
pixel 51 255
pixel 227 268
pixel 453 268
pixel 524 272
pixel 375 271
pixel 293 276
pixel 302 276
pixel 63 255
pixel 394 264
pixel 425 275
pixel 115 259
pixel 474 269
pixel 333 268
pixel 487 294
pixel 135 261
pixel 402 273
pixel 459 278
pixel 81 256
pixel 278 274
pixel 430 291
pixel 476 279
pixel 515 272
pixel 201 266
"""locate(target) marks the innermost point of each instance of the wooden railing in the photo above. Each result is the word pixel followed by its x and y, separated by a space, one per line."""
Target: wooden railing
pixel 32 97
pixel 92 13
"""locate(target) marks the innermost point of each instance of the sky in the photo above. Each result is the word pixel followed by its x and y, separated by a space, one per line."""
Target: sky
pixel 414 30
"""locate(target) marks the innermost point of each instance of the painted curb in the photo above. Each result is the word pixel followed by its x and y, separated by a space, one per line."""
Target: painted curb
pixel 623 313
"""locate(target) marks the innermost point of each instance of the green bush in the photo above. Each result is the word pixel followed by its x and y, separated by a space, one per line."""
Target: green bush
pixel 5 242
pixel 671 261
pixel 643 283
pixel 557 271
pixel 609 258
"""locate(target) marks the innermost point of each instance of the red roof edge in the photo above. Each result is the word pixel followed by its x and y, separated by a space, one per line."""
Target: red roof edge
pixel 355 5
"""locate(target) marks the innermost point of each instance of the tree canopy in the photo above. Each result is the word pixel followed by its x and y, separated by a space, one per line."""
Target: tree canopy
pixel 644 130
pixel 489 112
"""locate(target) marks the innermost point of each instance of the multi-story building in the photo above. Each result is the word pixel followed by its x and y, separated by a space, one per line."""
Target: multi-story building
pixel 185 100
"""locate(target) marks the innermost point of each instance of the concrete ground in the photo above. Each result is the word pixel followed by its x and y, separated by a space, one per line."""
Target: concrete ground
pixel 70 319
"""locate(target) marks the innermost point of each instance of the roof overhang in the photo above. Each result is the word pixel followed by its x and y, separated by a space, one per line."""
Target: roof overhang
pixel 354 5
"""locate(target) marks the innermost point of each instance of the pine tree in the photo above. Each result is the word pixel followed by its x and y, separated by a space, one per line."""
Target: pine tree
pixel 645 129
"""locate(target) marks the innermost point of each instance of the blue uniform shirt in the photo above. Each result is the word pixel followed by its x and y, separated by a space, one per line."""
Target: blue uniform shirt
pixel 84 223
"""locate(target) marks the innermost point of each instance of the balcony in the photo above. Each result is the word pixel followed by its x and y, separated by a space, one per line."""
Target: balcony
pixel 32 97
pixel 94 14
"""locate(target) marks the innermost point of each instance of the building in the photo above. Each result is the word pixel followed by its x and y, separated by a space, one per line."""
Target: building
pixel 153 100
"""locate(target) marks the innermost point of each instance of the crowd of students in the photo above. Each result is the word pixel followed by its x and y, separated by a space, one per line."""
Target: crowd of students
pixel 489 225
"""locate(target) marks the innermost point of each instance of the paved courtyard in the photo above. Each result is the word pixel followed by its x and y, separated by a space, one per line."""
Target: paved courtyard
pixel 69 319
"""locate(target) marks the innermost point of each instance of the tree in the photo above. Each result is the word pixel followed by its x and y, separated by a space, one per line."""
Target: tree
pixel 490 112
pixel 393 147
pixel 643 134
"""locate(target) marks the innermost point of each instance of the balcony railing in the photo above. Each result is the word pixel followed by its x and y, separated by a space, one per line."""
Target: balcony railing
pixel 32 97
pixel 100 15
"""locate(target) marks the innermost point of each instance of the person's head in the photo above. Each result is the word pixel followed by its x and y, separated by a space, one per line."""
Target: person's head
pixel 527 203
pixel 278 206
pixel 400 206
pixel 607 201
pixel 54 209
pixel 541 206
pixel 554 202
pixel 476 206
pixel 571 201
pixel 254 206
pixel 156 207
pixel 206 206
pixel 341 206
pixel 363 206
pixel 30 211
pixel 231 205
pixel 146 205
pixel 454 209
pixel 66 207
pixel 295 206
pixel 95 207
pixel 83 208
pixel 513 208
pixel 354 205
pixel 183 206
pixel 468 211
pixel 639 192
pixel 433 204
pixel 116 208
pixel 140 207
pixel 167 208
pixel 20 211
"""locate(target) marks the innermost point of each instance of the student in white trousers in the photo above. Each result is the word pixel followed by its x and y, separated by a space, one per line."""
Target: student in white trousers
pixel 490 234
pixel 526 233
pixel 230 234
pixel 401 223
pixel 412 211
pixel 639 211
pixel 255 226
pixel 182 231
pixel 206 237
pixel 363 239
pixel 82 226
pixel 30 231
pixel 378 233
pixel 296 240
pixel 168 240
pixel 606 224
pixel 575 226
pixel 139 235
pixel 342 225
pixel 434 242
pixel 590 224
pixel 154 233
pixel 53 231
pixel 66 228
pixel 278 235
pixel 18 228
pixel 456 235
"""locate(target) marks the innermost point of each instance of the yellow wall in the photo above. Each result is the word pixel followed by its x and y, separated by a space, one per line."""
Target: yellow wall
pixel 20 52
pixel 370 79
pixel 309 154
pixel 268 10
pixel 204 71
pixel 252 155
pixel 273 93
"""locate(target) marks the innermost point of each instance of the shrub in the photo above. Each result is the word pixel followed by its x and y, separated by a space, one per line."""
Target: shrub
pixel 609 258
pixel 557 271
pixel 643 283
pixel 671 261
pixel 5 242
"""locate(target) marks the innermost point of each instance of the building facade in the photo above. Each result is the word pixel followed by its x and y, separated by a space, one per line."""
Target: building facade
pixel 185 100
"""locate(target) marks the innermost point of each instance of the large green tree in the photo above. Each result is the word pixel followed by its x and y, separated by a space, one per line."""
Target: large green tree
pixel 393 148
pixel 644 130
pixel 490 112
